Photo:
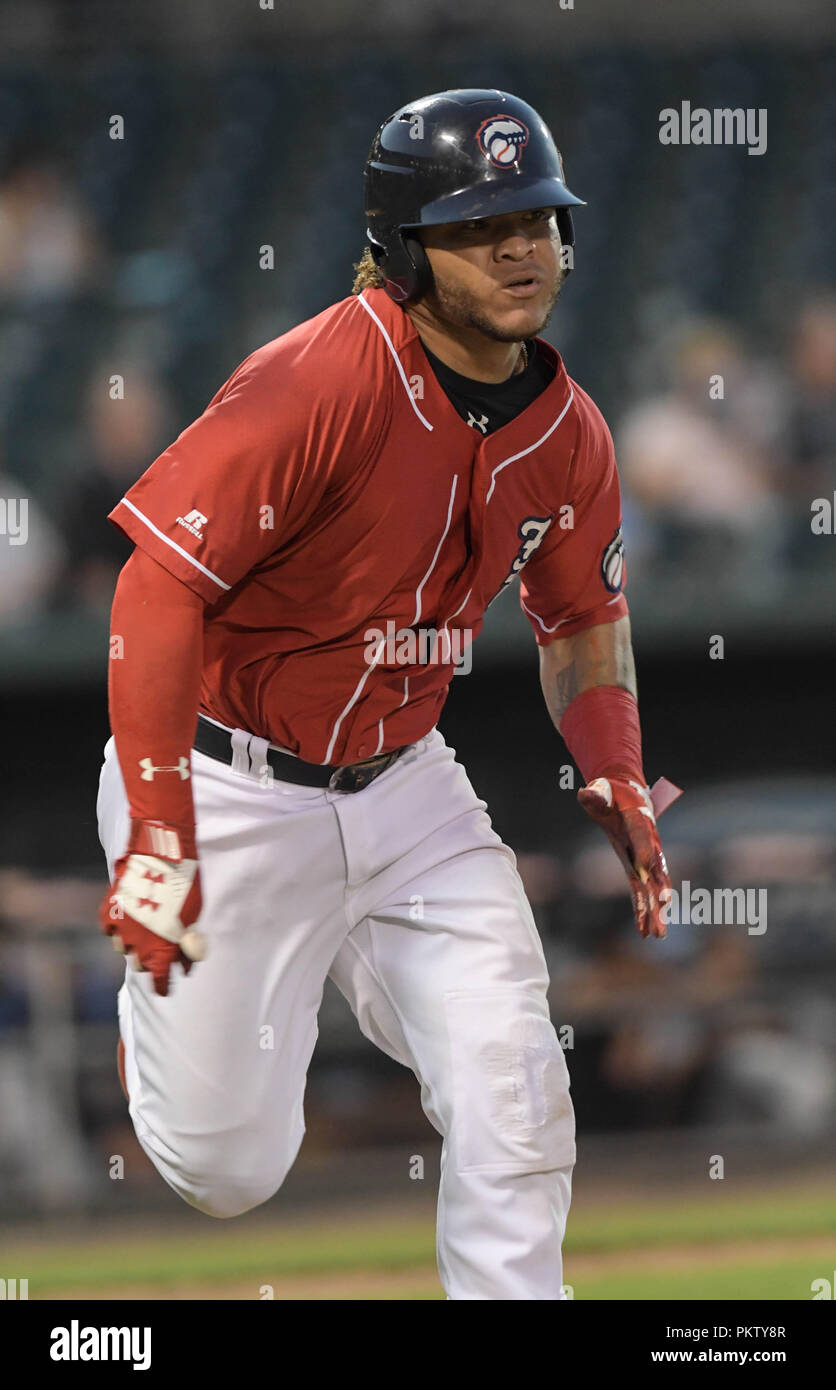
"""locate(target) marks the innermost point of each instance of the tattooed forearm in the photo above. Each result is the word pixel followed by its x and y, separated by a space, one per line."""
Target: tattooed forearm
pixel 600 655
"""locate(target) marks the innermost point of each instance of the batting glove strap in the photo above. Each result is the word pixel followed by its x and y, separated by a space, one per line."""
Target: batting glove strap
pixel 163 840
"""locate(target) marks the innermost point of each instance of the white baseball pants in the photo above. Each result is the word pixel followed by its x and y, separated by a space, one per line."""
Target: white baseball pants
pixel 405 895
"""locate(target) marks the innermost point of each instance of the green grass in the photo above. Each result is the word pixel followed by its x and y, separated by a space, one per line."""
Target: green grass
pixel 718 1217
pixel 229 1252
pixel 779 1278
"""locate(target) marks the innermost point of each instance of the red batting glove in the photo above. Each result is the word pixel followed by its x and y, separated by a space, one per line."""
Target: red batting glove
pixel 155 899
pixel 625 811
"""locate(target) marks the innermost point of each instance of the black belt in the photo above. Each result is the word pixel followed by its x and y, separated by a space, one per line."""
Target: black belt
pixel 216 743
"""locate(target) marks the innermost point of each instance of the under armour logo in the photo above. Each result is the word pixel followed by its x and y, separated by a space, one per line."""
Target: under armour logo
pixel 480 423
pixel 148 769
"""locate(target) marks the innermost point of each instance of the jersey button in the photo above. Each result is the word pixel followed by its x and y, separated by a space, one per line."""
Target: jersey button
pixel 361 750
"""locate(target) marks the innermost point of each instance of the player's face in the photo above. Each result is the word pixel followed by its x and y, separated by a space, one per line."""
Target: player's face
pixel 500 275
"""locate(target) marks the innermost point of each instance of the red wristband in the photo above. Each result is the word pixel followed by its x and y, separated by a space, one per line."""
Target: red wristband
pixel 601 729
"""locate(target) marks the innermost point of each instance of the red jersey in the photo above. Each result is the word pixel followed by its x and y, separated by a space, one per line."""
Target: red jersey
pixel 330 493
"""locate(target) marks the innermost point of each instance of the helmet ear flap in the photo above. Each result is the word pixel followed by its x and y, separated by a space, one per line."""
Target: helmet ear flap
pixel 566 230
pixel 378 251
pixel 423 271
pixel 565 226
pixel 403 265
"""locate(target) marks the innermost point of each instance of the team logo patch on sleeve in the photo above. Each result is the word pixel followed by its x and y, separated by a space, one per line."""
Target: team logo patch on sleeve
pixel 502 140
pixel 612 563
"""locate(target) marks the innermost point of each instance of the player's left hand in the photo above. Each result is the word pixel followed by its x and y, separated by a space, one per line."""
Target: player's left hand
pixel 625 811
pixel 155 901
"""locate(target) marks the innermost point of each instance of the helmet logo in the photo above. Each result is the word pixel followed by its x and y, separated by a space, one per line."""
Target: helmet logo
pixel 502 140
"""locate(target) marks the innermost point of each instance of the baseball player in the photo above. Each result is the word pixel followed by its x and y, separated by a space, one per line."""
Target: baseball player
pixel 277 803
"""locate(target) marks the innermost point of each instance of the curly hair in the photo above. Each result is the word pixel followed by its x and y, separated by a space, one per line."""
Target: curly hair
pixel 366 274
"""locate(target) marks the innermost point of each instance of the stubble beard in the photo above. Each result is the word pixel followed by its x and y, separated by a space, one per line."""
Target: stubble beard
pixel 458 307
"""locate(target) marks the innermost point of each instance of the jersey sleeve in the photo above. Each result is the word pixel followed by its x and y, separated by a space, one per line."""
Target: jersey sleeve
pixel 575 578
pixel 243 479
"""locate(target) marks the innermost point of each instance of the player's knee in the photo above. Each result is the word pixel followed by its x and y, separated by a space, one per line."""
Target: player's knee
pixel 226 1197
pixel 230 1188
pixel 510 1110
pixel 228 1175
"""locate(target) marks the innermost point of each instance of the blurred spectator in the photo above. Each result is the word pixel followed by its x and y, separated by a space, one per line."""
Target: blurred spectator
pixel 810 426
pixel 764 1074
pixel 31 553
pixel 49 249
pixel 121 438
pixel 35 904
pixel 695 462
pixel 813 413
pixel 648 1025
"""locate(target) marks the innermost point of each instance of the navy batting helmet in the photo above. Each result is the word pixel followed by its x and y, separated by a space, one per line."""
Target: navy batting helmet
pixel 451 157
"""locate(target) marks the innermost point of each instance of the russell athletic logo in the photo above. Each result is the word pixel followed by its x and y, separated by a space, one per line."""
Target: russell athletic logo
pixel 77 1343
pixel 502 140
pixel 193 521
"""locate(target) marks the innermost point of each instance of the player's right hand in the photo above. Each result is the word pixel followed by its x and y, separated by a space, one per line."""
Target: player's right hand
pixel 626 812
pixel 154 901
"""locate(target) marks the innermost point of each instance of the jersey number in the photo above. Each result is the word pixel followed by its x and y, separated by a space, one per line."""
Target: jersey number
pixel 531 532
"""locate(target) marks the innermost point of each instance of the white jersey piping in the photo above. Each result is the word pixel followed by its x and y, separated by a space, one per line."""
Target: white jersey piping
pixel 513 459
pixel 180 551
pixel 391 346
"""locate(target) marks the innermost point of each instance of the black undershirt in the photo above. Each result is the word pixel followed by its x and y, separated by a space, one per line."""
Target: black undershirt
pixel 488 405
